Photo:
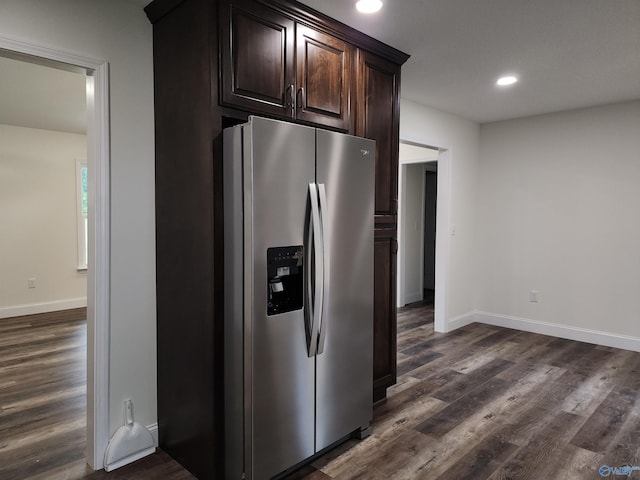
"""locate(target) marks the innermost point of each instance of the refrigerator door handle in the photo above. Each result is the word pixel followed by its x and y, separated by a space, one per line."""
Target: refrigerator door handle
pixel 326 256
pixel 314 289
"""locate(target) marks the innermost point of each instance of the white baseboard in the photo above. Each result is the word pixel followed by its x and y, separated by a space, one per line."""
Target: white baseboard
pixel 457 322
pixel 624 342
pixel 45 307
pixel 412 298
pixel 153 429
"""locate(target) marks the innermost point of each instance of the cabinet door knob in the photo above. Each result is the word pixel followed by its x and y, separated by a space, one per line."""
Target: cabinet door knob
pixel 303 99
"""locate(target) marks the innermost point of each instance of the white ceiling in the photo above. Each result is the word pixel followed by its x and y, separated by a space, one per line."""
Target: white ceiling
pixel 410 153
pixel 37 96
pixel 567 53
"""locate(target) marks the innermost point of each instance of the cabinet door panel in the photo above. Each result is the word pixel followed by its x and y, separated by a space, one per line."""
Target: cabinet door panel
pixel 258 57
pixel 378 119
pixel 384 312
pixel 324 75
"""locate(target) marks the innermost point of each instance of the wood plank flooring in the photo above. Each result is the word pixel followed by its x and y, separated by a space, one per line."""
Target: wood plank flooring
pixel 42 393
pixel 43 404
pixel 481 402
pixel 485 402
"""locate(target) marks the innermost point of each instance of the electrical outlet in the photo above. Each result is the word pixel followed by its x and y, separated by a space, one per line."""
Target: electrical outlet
pixel 533 296
pixel 31 283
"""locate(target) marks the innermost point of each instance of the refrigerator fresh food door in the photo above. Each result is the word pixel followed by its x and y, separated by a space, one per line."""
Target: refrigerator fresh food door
pixel 344 371
pixel 280 167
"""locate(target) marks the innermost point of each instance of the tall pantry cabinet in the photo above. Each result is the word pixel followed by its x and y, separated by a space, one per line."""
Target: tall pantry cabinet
pixel 215 63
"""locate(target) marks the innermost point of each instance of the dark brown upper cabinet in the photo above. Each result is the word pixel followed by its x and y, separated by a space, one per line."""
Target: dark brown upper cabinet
pixel 257 51
pixel 378 110
pixel 272 65
pixel 324 75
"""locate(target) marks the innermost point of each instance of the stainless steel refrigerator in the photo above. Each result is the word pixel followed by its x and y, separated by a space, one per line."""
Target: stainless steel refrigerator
pixel 299 213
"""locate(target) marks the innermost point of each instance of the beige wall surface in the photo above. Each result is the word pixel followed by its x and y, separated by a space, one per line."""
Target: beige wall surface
pixel 412 234
pixel 457 187
pixel 38 218
pixel 558 209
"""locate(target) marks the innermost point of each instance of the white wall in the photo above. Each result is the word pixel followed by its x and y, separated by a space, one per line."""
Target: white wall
pixel 457 187
pixel 119 32
pixel 38 218
pixel 558 211
pixel 412 204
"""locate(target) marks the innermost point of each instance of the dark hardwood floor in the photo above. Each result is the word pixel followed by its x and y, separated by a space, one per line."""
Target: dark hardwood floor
pixel 486 402
pixel 42 393
pixel 481 402
pixel 43 404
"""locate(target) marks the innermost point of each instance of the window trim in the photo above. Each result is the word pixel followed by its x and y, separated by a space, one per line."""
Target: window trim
pixel 82 223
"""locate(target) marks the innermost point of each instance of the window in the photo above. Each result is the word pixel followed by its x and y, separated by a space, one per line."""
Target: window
pixel 82 213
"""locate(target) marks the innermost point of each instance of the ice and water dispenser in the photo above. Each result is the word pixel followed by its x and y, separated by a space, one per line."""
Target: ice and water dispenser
pixel 285 277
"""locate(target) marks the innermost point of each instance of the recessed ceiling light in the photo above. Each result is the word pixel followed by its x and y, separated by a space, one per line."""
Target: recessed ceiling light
pixel 507 80
pixel 369 6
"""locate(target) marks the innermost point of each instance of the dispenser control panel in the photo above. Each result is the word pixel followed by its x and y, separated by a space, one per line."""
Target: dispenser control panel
pixel 285 279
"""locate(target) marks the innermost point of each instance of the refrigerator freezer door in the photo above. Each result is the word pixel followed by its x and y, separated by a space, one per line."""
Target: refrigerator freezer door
pixel 280 167
pixel 344 372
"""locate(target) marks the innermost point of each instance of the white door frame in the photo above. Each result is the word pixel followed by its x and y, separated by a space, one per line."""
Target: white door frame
pixel 443 232
pixel 98 155
pixel 443 240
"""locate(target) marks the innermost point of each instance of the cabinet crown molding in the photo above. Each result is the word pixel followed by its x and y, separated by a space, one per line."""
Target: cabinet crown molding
pixel 302 14
pixel 305 14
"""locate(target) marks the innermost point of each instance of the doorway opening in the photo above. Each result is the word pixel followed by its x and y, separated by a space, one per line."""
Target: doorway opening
pixel 417 188
pixel 429 238
pixel 423 158
pixel 94 73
